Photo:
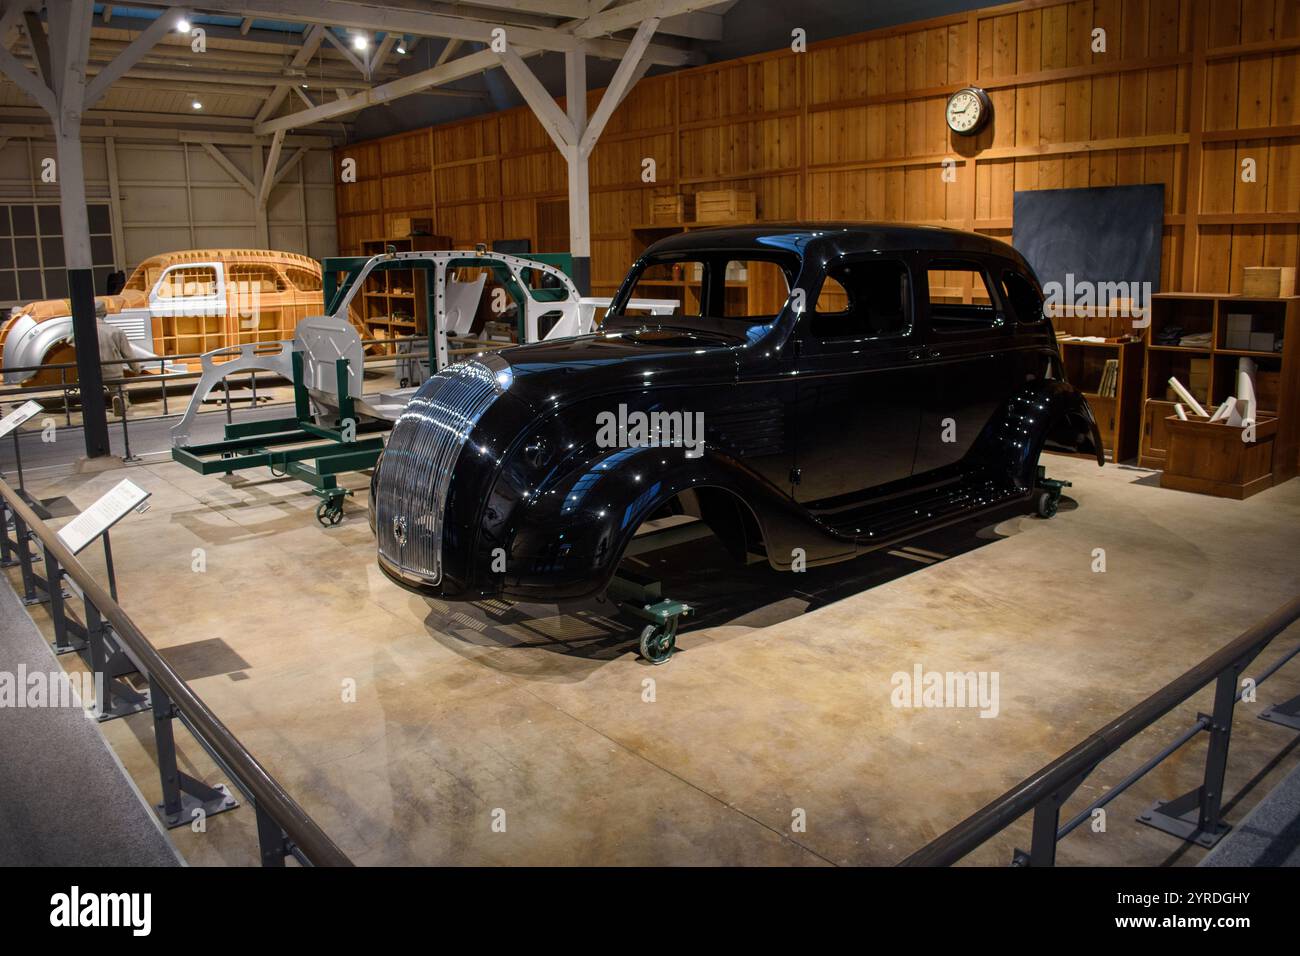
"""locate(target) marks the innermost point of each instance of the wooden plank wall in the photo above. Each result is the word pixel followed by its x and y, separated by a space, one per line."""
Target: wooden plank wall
pixel 854 129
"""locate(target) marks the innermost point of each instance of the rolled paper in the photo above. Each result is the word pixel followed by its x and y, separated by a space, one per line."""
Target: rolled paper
pixel 1246 388
pixel 1186 396
pixel 1180 412
pixel 1222 410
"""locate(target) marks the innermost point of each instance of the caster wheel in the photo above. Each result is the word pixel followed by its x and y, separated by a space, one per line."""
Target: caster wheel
pixel 1045 504
pixel 327 513
pixel 657 643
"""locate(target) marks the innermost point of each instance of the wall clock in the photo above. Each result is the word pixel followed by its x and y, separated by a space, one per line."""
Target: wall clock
pixel 968 111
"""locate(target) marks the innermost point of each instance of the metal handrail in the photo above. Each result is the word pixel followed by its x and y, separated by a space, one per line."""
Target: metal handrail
pixel 271 799
pixel 1047 789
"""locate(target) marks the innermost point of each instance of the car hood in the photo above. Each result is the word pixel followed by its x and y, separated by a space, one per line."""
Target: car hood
pixel 622 360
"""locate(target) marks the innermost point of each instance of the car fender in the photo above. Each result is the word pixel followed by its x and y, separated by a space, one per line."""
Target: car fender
pixel 566 538
pixel 1048 414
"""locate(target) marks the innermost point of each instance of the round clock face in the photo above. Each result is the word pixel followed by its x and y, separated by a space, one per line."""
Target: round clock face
pixel 966 111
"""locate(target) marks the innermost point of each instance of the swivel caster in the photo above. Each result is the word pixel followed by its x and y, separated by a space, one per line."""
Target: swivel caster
pixel 1046 503
pixel 330 512
pixel 658 641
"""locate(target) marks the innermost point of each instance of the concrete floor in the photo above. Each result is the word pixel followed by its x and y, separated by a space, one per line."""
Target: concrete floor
pixel 779 700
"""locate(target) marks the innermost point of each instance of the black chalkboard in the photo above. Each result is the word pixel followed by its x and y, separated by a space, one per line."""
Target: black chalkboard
pixel 1103 236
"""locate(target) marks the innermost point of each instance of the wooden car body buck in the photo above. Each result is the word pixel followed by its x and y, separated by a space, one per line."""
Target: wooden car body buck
pixel 176 303
pixel 848 386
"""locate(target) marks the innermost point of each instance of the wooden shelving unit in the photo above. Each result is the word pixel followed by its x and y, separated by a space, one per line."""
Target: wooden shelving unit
pixel 1119 411
pixel 1209 371
pixel 394 302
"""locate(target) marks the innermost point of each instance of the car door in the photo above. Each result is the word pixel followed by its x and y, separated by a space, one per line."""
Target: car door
pixel 190 289
pixel 857 404
pixel 963 350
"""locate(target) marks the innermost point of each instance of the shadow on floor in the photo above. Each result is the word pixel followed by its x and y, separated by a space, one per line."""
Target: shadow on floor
pixel 578 637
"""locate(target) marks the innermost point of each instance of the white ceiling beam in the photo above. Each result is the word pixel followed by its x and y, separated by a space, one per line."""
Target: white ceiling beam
pixel 629 14
pixel 381 54
pixel 557 125
pixel 245 25
pixel 448 51
pixel 231 169
pixel 311 42
pixel 302 95
pixel 287 166
pixel 351 57
pixel 402 19
pixel 132 55
pixel 42 131
pixel 415 83
pixel 28 82
pixel 272 163
pixel 622 81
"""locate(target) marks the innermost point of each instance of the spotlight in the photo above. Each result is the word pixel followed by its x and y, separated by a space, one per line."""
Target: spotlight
pixel 360 42
pixel 183 25
pixel 401 47
pixel 197 105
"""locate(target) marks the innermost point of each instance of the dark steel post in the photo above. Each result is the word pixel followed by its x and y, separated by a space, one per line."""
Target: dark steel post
pixel 271 840
pixel 67 402
pixel 6 552
pixel 54 588
pixel 85 337
pixel 18 460
pixel 162 378
pixel 165 741
pixel 108 566
pixel 126 437
pixel 225 384
pixel 22 539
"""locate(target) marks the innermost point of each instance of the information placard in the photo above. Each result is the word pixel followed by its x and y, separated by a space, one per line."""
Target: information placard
pixel 19 415
pixel 111 508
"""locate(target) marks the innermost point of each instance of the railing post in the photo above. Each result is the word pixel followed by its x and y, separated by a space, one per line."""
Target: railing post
pixel 7 559
pixel 126 437
pixel 23 540
pixel 1195 816
pixel 184 798
pixel 58 613
pixel 271 840
pixel 1047 819
pixel 162 380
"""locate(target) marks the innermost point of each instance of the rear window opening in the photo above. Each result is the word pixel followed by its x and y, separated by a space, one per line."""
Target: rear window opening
pixel 709 286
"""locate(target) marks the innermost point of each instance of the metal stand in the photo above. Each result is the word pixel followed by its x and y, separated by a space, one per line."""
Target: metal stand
pixel 126 437
pixel 1047 497
pixel 184 798
pixel 1287 714
pixel 1195 816
pixel 1047 817
pixel 642 599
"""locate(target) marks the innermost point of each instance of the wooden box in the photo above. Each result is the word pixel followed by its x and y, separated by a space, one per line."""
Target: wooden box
pixel 403 226
pixel 1211 459
pixel 725 205
pixel 671 210
pixel 1268 282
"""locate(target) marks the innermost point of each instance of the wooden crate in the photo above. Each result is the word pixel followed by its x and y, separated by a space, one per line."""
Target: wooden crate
pixel 725 205
pixel 403 226
pixel 1269 282
pixel 1211 459
pixel 671 210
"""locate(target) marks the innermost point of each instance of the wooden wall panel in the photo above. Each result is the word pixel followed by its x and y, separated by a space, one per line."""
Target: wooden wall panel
pixel 1183 92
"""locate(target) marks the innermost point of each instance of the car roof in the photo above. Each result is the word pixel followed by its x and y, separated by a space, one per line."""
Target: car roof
pixel 822 240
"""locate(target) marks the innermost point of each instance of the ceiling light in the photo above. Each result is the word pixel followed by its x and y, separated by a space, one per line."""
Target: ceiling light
pixel 401 46
pixel 183 25
pixel 197 105
pixel 360 41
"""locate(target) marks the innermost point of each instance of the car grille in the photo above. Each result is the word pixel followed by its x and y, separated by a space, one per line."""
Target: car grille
pixel 415 475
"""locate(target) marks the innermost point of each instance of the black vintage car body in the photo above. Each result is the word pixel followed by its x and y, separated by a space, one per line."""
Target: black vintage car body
pixel 828 431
